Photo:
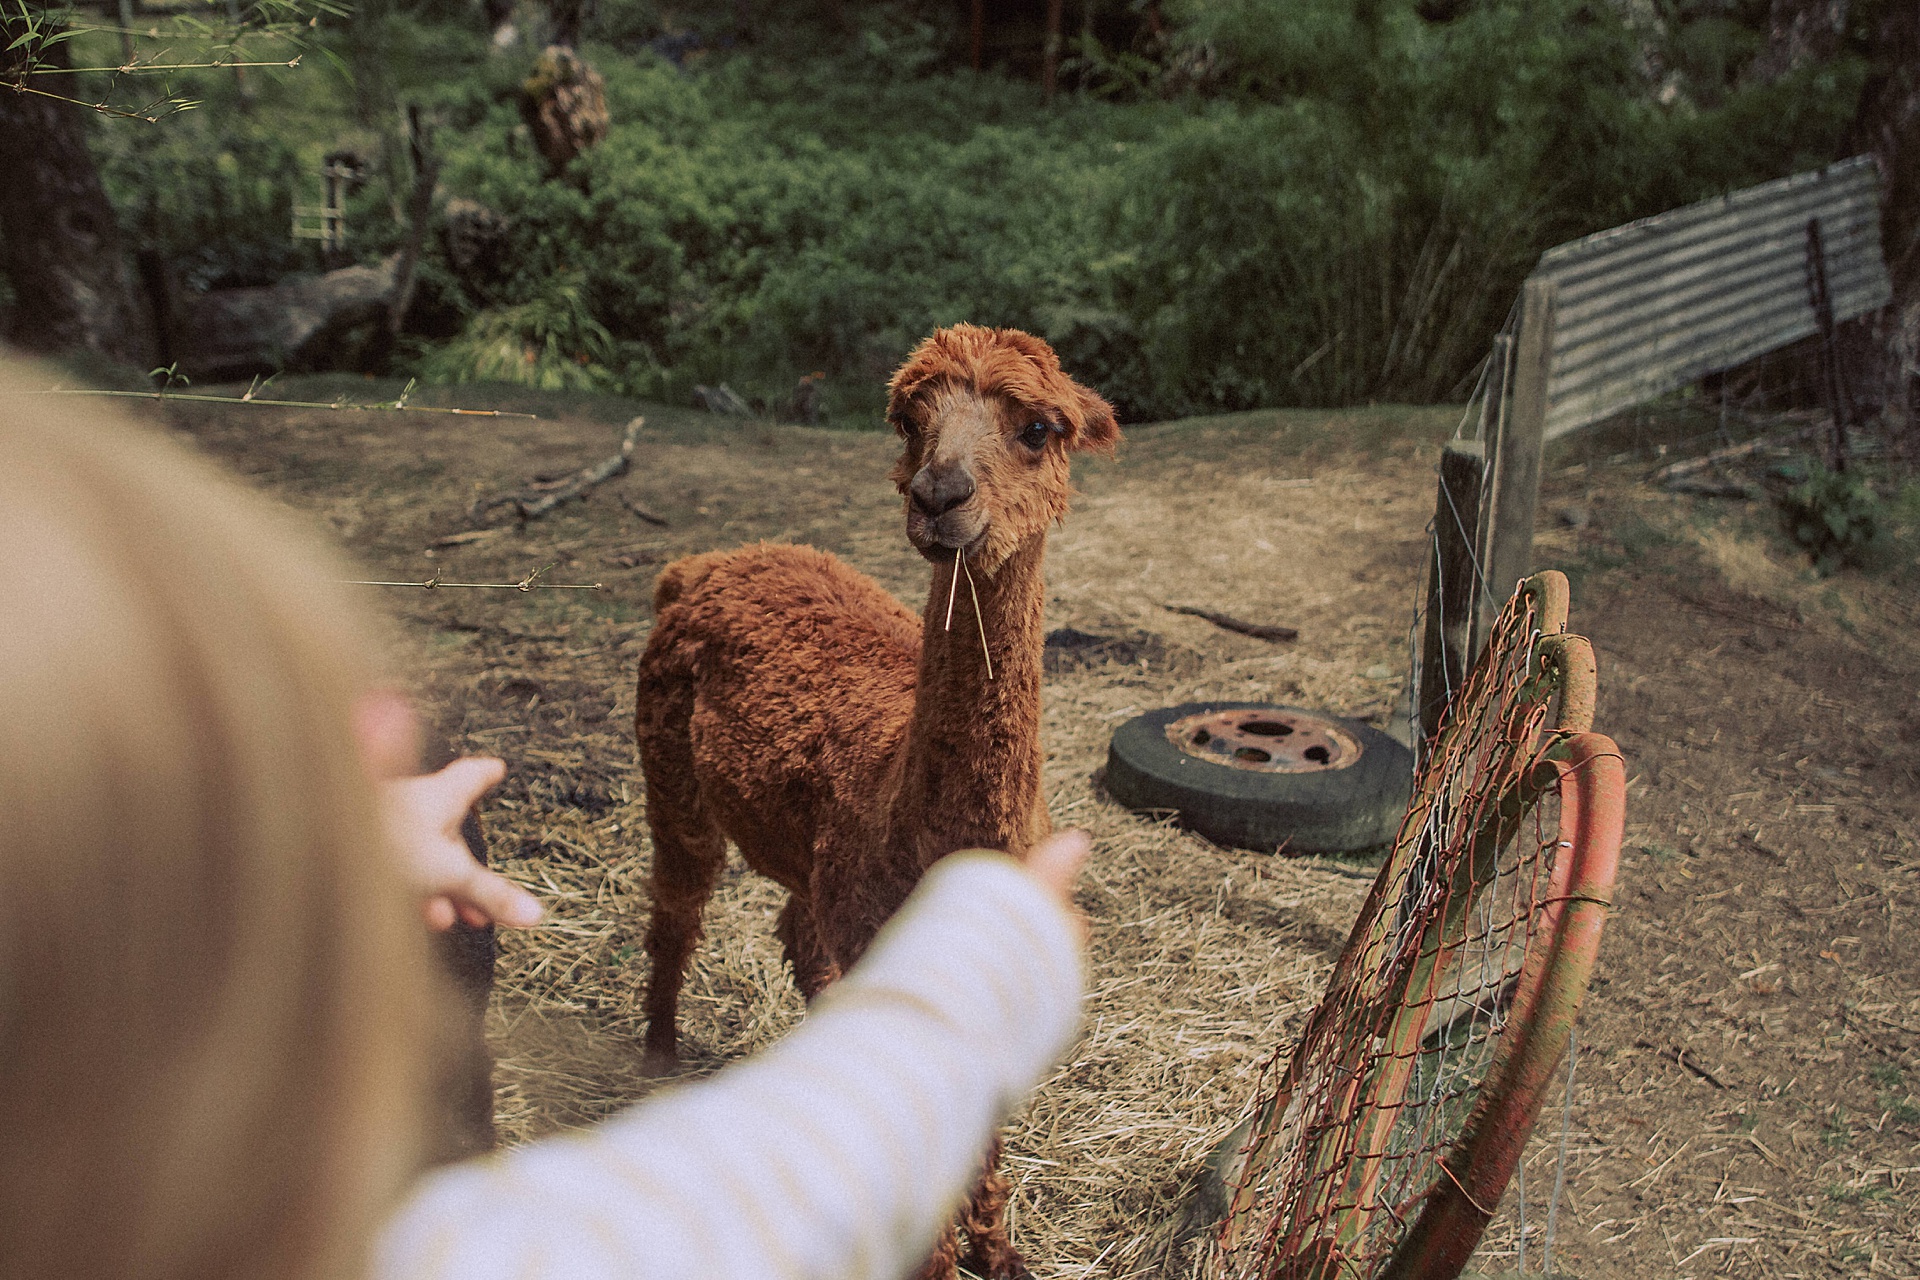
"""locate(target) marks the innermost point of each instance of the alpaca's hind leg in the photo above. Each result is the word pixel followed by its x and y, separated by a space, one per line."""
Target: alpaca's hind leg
pixel 688 855
pixel 991 1253
pixel 813 971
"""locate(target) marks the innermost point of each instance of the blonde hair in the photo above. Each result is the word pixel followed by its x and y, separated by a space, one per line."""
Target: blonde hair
pixel 213 988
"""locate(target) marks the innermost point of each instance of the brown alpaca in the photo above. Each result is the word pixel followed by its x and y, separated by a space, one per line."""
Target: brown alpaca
pixel 790 704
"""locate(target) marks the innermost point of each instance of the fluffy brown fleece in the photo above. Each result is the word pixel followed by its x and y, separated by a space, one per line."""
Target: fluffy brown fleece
pixel 788 703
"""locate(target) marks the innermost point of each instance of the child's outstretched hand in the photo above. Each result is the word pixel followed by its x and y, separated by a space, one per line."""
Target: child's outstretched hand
pixel 424 814
pixel 423 819
pixel 1056 863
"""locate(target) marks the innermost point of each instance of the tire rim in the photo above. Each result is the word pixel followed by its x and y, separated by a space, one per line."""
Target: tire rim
pixel 1266 740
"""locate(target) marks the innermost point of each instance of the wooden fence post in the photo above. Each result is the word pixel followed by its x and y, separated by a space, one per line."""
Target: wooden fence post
pixel 1452 584
pixel 1513 473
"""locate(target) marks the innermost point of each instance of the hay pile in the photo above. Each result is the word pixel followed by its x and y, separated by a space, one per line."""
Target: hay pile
pixel 1771 838
pixel 1203 959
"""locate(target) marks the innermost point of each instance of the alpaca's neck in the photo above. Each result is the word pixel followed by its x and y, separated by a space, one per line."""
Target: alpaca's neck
pixel 971 777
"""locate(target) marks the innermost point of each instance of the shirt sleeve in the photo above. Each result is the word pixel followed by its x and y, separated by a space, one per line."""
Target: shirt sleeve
pixel 839 1152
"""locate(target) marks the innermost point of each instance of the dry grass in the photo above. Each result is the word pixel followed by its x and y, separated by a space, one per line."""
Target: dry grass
pixel 1203 959
pixel 1772 818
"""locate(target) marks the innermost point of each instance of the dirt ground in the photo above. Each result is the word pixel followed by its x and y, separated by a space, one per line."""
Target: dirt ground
pixel 1745 1089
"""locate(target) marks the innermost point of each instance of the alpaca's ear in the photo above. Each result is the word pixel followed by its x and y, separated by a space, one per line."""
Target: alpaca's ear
pixel 906 382
pixel 1099 432
pixel 897 411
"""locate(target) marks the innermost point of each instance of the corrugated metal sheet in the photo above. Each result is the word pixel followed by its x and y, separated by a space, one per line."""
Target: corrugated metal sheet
pixel 1649 306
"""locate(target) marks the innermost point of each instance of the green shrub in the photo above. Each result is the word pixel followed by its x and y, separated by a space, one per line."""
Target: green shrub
pixel 1836 517
pixel 733 235
pixel 551 342
pixel 1287 202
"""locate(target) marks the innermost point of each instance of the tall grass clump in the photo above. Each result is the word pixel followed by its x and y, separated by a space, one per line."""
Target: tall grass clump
pixel 551 341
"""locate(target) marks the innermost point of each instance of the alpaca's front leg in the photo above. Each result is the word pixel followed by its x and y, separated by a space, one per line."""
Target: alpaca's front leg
pixel 991 1254
pixel 857 892
pixel 813 970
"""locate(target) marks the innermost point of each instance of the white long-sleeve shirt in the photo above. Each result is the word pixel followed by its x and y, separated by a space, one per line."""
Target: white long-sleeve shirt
pixel 839 1152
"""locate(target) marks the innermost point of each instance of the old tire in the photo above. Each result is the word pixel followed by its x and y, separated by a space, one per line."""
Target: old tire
pixel 1356 802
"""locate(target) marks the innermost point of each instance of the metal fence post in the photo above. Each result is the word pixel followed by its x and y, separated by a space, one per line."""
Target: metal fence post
pixel 1482 606
pixel 1513 479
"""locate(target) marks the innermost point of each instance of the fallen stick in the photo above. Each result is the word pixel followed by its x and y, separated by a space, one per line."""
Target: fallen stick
pixel 628 502
pixel 1680 1057
pixel 1708 488
pixel 1258 630
pixel 462 539
pixel 525 508
pixel 1687 466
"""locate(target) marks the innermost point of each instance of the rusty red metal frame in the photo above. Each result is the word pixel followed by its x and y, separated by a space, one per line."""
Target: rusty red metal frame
pixel 1382 1149
pixel 1592 780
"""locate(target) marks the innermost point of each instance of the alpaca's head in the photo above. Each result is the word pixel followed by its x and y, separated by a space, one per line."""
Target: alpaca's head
pixel 988 420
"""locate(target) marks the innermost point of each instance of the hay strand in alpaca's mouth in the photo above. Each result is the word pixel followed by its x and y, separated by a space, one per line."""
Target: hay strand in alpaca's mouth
pixel 960 558
pixel 953 589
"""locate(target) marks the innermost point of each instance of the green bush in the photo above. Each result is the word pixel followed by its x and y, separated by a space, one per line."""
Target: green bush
pixel 551 342
pixel 1836 517
pixel 1283 202
pixel 736 237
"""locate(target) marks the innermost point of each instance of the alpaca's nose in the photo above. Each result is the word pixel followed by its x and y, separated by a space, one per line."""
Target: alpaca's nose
pixel 937 491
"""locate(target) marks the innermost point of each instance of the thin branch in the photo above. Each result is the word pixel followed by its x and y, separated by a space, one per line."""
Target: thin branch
pixel 1258 630
pixel 1673 471
pixel 103 108
pixel 391 406
pixel 627 501
pixel 206 33
pixel 141 68
pixel 1680 1057
pixel 527 583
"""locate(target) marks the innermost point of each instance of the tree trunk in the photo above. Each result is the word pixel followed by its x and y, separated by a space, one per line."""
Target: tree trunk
pixel 1800 33
pixel 61 249
pixel 568 17
pixel 1884 353
pixel 1050 52
pixel 1889 126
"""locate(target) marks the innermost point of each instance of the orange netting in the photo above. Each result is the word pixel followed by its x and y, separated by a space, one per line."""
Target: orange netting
pixel 1424 1044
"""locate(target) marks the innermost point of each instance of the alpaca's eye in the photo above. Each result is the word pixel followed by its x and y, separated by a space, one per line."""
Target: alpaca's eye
pixel 1035 436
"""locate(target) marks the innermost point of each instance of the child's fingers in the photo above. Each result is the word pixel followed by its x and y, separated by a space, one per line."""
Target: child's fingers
pixel 499 900
pixel 440 913
pixel 1056 862
pixel 459 786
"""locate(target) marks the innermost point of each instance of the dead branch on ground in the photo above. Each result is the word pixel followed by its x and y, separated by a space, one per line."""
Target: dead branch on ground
pixel 1681 1058
pixel 1258 630
pixel 1675 471
pixel 626 500
pixel 525 506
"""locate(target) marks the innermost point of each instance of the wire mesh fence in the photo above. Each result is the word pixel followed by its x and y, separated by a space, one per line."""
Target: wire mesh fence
pixel 1382 1144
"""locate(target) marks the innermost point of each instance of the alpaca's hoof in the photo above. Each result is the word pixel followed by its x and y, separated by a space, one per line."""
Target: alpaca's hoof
pixel 659 1062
